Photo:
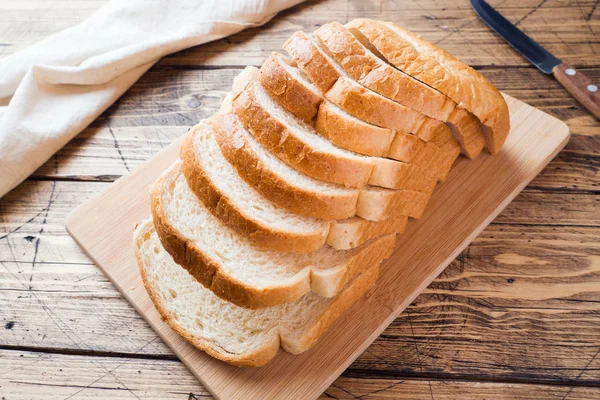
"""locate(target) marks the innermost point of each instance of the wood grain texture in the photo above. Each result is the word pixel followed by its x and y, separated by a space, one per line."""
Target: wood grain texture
pixel 104 224
pixel 479 334
pixel 57 376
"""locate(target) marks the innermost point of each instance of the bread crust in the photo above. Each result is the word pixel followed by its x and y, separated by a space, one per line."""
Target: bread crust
pixel 273 134
pixel 375 74
pixel 287 91
pixel 394 174
pixel 350 233
pixel 261 355
pixel 391 203
pixel 226 209
pixel 434 131
pixel 451 152
pixel 320 71
pixel 312 62
pixel 353 135
pixel 435 67
pixel 365 104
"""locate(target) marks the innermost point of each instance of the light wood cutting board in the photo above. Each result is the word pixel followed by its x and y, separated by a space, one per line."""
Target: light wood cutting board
pixel 473 195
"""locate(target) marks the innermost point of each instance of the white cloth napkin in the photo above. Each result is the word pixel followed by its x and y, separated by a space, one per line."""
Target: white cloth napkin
pixel 61 84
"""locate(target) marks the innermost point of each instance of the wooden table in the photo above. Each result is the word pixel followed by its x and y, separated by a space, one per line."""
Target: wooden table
pixel 517 315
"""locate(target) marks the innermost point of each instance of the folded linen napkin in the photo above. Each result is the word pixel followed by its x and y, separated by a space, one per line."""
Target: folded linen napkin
pixel 61 84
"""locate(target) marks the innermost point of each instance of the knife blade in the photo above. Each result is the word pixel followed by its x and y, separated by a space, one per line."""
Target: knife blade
pixel 575 82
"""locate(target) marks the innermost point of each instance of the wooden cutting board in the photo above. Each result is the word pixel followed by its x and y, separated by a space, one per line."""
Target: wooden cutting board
pixel 473 195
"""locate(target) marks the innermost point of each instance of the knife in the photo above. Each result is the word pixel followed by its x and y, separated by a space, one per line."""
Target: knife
pixel 574 81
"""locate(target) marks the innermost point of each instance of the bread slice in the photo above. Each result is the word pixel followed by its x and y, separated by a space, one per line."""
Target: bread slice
pixel 313 62
pixel 289 88
pixel 275 180
pixel 290 189
pixel 360 60
pixel 349 132
pixel 442 71
pixel 239 336
pixel 301 147
pixel 218 186
pixel 235 269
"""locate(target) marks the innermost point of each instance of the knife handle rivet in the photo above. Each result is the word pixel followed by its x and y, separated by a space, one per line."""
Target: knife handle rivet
pixel 570 72
pixel 592 88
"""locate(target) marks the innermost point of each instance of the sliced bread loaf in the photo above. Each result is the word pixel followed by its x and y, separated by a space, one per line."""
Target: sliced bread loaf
pixel 442 71
pixel 290 189
pixel 218 186
pixel 360 60
pixel 239 336
pixel 235 269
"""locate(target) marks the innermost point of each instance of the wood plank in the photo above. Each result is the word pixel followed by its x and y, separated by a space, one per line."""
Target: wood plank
pixel 103 226
pixel 566 28
pixel 58 376
pixel 166 102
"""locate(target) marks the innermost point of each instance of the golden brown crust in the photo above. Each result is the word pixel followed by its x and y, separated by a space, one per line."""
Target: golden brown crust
pixel 257 358
pixel 287 91
pixel 394 174
pixel 467 130
pixel 434 131
pixel 392 203
pixel 377 75
pixel 435 67
pixel 233 144
pixel 224 208
pixel 353 135
pixel 451 151
pixel 465 126
pixel 293 150
pixel 311 61
pixel 350 233
pixel 364 104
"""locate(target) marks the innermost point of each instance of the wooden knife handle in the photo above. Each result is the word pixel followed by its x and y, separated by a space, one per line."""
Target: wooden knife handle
pixel 580 86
